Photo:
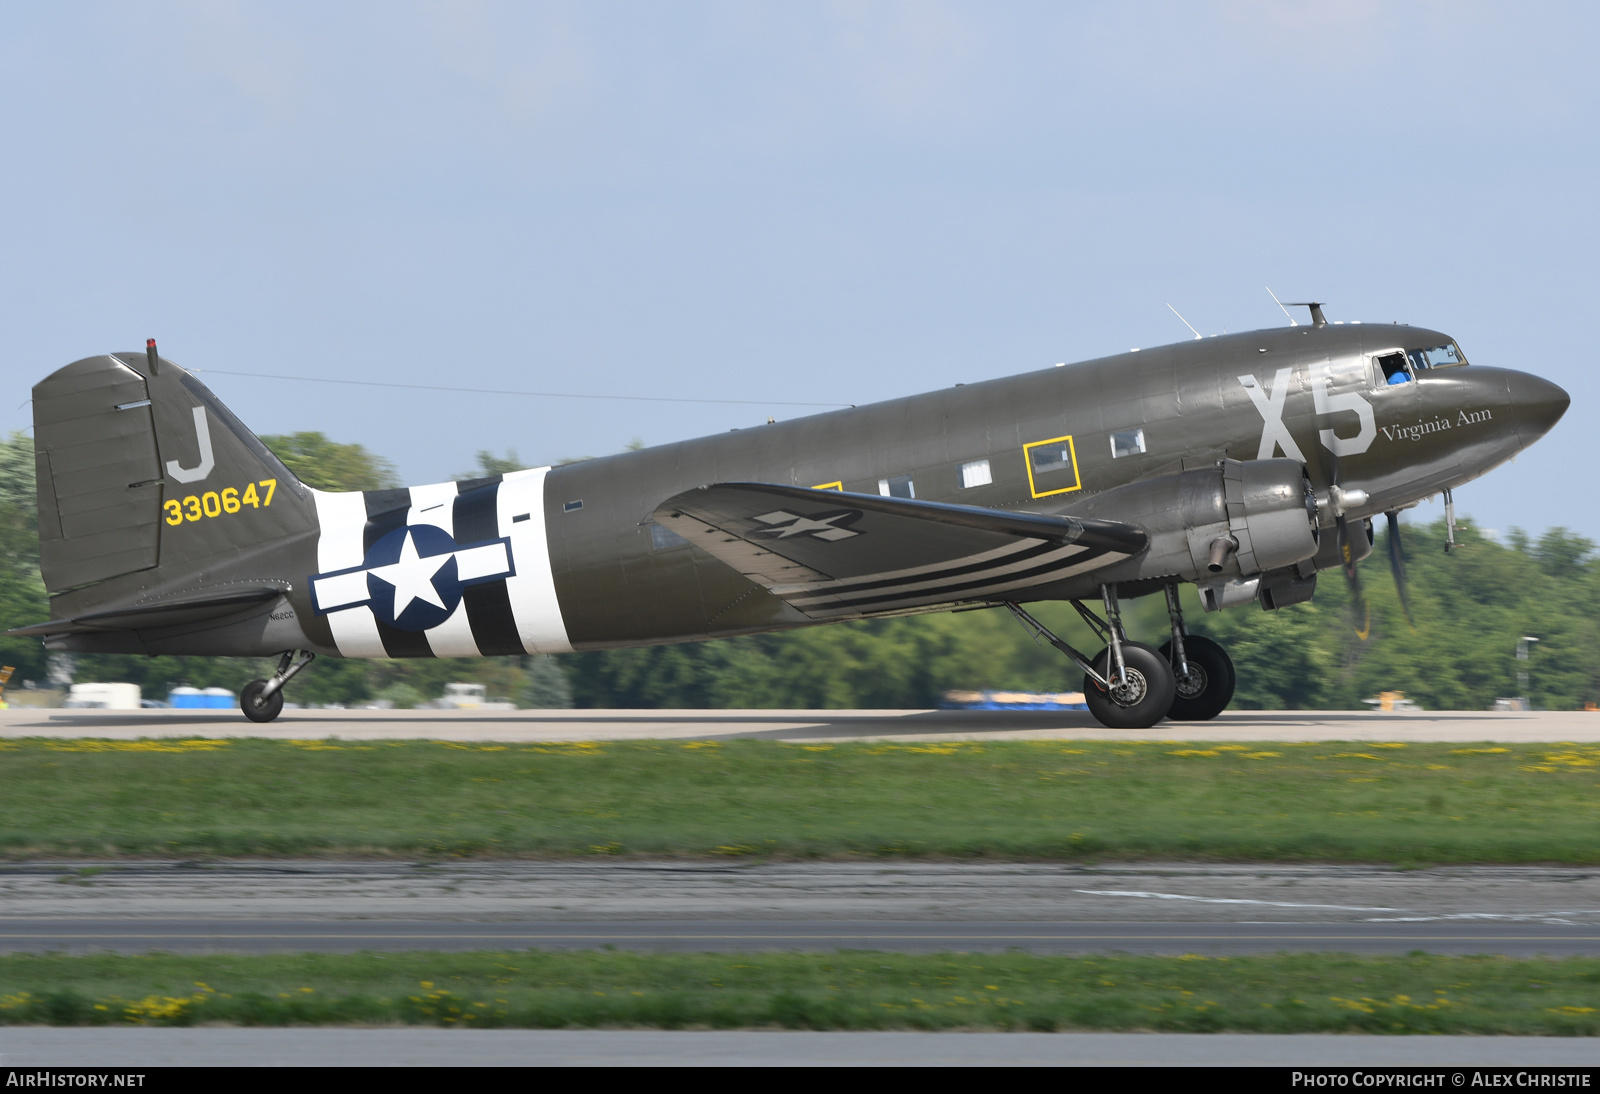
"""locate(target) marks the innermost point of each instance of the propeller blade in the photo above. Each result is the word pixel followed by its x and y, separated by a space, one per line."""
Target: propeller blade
pixel 1360 611
pixel 1397 563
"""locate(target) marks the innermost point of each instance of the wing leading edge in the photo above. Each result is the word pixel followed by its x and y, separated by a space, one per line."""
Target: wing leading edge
pixel 834 555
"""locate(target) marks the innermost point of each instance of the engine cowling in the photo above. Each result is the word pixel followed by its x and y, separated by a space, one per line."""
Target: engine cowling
pixel 1271 512
pixel 1222 526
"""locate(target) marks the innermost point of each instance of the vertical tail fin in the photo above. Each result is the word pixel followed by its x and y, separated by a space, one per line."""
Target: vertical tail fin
pixel 148 483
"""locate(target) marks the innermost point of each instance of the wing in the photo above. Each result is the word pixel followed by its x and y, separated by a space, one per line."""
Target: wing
pixel 834 555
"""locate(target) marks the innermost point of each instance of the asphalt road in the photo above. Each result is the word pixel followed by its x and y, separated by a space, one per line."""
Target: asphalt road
pixel 802 725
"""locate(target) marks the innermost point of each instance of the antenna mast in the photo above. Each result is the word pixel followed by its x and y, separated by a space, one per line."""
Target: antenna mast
pixel 1281 308
pixel 1185 322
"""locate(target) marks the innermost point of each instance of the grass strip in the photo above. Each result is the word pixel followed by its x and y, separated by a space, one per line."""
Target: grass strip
pixel 1393 803
pixel 1286 993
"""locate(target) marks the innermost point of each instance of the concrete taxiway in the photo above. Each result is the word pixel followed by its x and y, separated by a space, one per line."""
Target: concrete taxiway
pixel 803 725
pixel 912 907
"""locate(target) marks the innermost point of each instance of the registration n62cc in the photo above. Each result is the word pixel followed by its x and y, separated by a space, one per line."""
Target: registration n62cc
pixel 214 504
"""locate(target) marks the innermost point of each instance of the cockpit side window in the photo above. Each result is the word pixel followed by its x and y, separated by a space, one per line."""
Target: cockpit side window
pixel 1446 356
pixel 1391 368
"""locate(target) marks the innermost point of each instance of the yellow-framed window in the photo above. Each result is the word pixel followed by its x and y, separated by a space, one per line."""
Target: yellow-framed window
pixel 1052 466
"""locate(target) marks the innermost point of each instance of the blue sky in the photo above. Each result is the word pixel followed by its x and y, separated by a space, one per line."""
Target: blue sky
pixel 838 202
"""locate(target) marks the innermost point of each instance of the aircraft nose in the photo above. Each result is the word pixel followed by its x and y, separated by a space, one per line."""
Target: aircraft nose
pixel 1539 404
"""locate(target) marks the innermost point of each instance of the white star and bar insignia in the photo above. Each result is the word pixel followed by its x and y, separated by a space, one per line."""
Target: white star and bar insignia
pixel 819 525
pixel 413 577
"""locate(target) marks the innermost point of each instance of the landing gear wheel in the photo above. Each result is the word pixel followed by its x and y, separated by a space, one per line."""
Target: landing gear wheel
pixel 256 708
pixel 1139 703
pixel 1207 689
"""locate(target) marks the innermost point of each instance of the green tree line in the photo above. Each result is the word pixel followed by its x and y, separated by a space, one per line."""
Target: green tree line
pixel 1470 607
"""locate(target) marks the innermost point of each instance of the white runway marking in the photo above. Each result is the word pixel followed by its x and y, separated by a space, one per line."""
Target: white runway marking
pixel 1229 900
pixel 1564 918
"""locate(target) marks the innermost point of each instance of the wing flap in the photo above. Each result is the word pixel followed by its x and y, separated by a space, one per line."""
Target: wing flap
pixel 836 555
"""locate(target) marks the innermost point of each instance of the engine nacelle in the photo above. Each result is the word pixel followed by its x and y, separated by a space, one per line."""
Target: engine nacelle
pixel 1221 526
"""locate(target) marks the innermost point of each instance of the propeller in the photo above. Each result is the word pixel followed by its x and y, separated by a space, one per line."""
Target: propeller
pixel 1340 499
pixel 1360 610
pixel 1397 564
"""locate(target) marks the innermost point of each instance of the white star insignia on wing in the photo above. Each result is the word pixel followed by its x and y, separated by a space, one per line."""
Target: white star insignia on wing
pixel 821 529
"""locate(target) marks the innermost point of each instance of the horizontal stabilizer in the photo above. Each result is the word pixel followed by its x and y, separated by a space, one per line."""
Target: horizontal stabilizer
pixel 168 612
pixel 832 554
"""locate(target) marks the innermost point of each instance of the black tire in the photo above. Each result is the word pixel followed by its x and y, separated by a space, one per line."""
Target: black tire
pixel 1147 698
pixel 1209 688
pixel 257 709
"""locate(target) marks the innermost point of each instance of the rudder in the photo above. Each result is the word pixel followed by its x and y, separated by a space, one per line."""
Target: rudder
pixel 98 474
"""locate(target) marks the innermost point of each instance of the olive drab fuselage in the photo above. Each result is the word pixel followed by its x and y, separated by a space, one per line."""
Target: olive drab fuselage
pixel 603 553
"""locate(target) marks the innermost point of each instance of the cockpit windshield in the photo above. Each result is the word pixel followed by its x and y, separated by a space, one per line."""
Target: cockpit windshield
pixel 1445 356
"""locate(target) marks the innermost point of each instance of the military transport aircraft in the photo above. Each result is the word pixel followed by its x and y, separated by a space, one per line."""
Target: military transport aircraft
pixel 1243 463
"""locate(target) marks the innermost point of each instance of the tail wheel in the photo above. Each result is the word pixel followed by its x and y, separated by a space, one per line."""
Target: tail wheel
pixel 1207 688
pixel 255 707
pixel 1142 700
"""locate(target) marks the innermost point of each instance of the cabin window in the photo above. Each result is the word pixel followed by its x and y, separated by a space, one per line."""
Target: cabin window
pixel 1052 466
pixel 1127 442
pixel 898 487
pixel 1392 368
pixel 975 473
pixel 663 538
pixel 572 506
pixel 1445 356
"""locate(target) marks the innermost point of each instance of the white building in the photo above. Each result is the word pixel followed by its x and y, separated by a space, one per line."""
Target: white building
pixel 104 696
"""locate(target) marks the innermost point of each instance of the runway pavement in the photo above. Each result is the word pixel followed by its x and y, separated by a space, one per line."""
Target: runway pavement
pixel 913 907
pixel 807 725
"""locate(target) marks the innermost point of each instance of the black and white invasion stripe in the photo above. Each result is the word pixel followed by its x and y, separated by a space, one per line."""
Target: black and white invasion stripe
pixel 517 615
pixel 1020 565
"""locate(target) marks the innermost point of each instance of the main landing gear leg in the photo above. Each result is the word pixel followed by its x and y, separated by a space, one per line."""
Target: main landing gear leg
pixel 1203 676
pixel 261 700
pixel 1039 630
pixel 1128 686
